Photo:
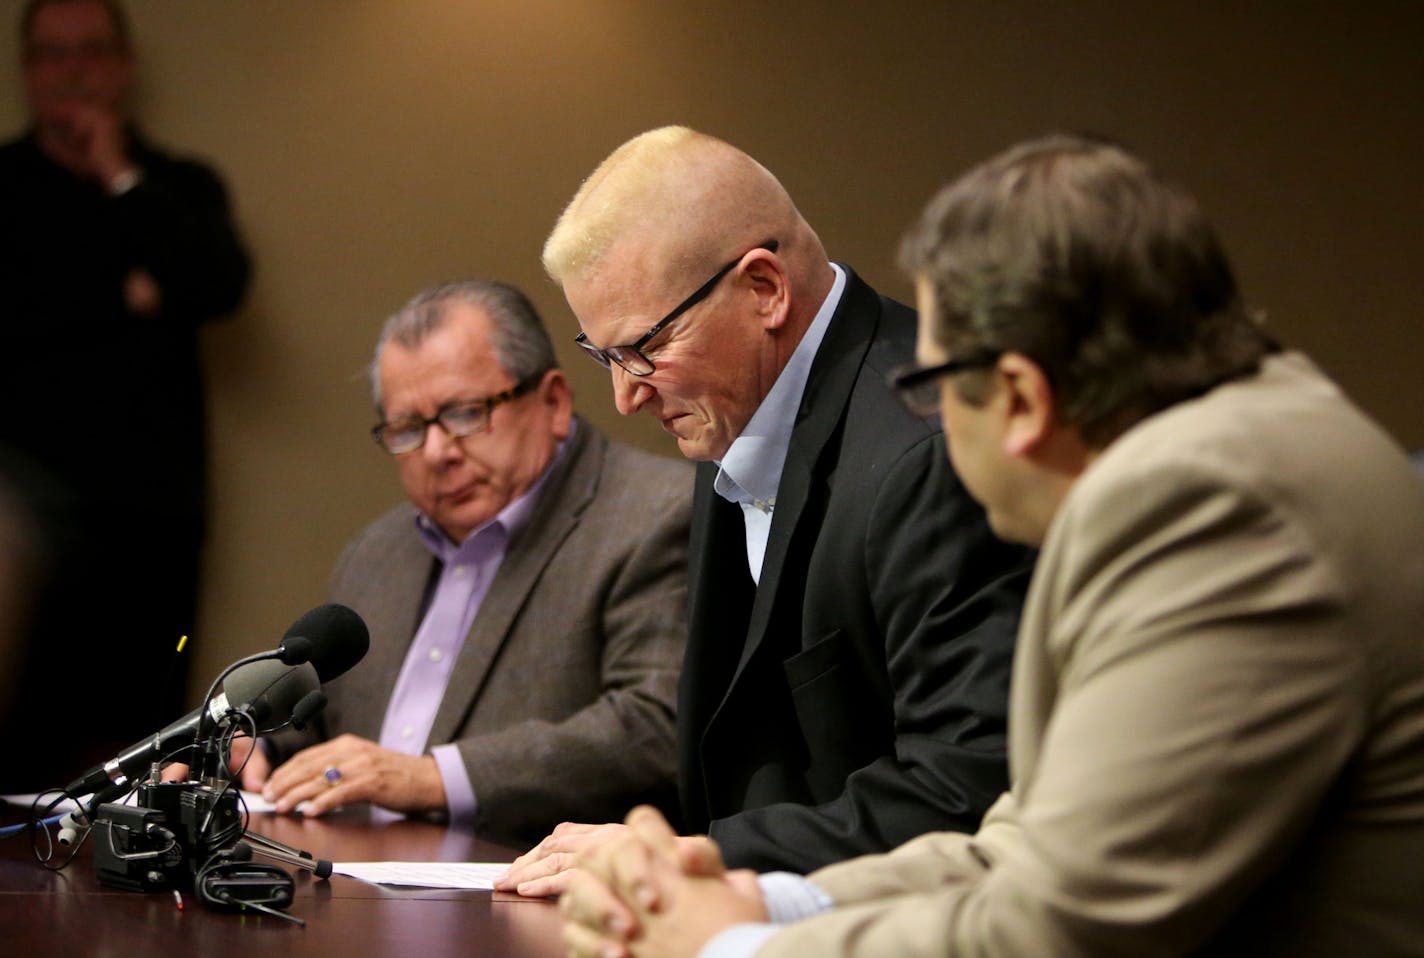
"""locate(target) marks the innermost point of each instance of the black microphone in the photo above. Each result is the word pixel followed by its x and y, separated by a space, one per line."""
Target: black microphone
pixel 270 690
pixel 276 692
pixel 331 637
pixel 307 709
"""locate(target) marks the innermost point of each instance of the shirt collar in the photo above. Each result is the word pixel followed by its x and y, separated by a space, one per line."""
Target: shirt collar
pixel 750 472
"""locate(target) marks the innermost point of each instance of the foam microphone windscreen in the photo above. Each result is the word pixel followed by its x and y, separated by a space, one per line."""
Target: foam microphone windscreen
pixel 271 689
pixel 332 637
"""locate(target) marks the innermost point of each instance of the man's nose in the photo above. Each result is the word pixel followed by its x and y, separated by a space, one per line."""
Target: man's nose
pixel 629 392
pixel 438 445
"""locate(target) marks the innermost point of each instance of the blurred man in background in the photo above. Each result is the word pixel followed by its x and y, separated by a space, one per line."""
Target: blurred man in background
pixel 112 254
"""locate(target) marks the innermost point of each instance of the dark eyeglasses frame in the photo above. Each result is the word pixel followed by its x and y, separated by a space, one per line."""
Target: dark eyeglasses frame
pixel 608 356
pixel 909 381
pixel 488 404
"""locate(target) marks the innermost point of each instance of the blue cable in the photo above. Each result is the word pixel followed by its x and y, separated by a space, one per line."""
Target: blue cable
pixel 9 830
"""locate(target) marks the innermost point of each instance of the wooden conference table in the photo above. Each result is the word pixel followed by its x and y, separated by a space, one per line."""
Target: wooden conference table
pixel 66 913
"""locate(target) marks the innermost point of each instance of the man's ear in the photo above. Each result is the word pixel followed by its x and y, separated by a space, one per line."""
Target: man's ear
pixel 766 278
pixel 1030 407
pixel 554 392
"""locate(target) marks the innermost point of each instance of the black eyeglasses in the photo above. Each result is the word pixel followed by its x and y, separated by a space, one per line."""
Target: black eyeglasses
pixel 630 357
pixel 918 386
pixel 458 419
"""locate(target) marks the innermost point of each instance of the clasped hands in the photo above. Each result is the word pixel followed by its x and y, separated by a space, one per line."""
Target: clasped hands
pixel 648 893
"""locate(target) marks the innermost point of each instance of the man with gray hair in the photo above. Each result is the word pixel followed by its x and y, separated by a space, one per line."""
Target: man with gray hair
pixel 526 607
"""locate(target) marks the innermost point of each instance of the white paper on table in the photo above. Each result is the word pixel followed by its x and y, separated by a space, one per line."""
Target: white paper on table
pixel 478 875
pixel 257 805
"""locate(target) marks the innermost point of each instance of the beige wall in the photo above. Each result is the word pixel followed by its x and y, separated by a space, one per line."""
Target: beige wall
pixel 377 146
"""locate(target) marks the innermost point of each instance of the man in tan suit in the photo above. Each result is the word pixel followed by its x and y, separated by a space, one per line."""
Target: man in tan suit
pixel 1217 711
pixel 526 606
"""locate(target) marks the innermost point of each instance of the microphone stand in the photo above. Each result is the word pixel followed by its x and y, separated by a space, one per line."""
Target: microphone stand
pixel 286 854
pixel 203 716
pixel 309 705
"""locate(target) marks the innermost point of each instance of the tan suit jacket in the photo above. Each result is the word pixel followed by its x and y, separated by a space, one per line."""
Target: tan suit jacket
pixel 1217 711
pixel 562 698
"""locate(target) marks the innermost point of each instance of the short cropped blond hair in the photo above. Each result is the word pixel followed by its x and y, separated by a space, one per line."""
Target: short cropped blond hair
pixel 693 193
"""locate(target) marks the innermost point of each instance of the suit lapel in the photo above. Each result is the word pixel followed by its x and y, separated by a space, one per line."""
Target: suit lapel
pixel 828 390
pixel 720 598
pixel 566 493
pixel 407 570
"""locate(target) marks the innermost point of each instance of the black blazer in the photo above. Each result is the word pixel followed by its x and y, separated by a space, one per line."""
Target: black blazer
pixel 857 697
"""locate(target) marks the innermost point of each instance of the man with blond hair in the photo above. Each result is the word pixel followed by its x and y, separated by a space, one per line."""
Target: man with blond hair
pixel 1217 722
pixel 851 615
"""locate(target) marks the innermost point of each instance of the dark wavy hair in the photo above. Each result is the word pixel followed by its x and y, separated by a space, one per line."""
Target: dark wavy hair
pixel 1076 254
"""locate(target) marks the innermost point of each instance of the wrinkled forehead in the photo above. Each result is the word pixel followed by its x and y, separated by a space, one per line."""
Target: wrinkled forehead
pixel 454 361
pixel 621 295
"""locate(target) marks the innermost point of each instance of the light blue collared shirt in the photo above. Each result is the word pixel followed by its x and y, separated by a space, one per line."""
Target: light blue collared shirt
pixel 750 473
